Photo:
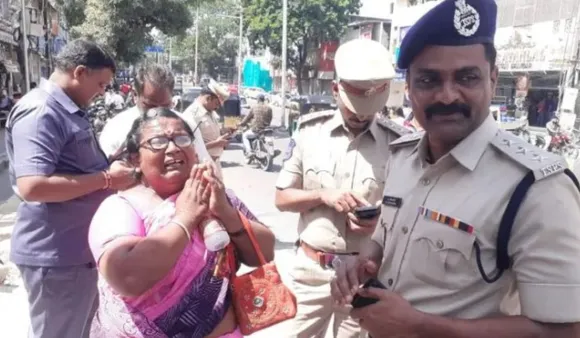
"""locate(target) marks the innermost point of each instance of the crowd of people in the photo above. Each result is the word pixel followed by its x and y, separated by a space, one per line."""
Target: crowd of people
pixel 441 231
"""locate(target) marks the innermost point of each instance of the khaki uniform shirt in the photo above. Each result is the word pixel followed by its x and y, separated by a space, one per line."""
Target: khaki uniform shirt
pixel 433 265
pixel 208 123
pixel 325 155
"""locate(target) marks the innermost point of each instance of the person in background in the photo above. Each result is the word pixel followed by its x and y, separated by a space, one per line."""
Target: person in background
pixel 334 164
pixel 6 102
pixel 202 114
pixel 479 232
pixel 153 88
pixel 61 175
pixel 149 246
pixel 16 97
pixel 113 100
pixel 398 116
pixel 260 117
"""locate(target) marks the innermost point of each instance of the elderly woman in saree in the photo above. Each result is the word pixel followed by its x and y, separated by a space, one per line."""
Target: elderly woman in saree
pixel 157 278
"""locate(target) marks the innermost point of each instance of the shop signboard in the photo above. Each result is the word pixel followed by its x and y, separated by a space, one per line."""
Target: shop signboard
pixel 538 47
pixel 326 59
pixel 366 32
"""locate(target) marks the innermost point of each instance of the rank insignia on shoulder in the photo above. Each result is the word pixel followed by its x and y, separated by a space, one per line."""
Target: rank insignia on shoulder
pixel 312 117
pixel 393 126
pixel 407 139
pixel 541 162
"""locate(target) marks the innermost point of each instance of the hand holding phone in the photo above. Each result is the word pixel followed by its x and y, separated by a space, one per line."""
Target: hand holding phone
pixel 359 301
pixel 367 212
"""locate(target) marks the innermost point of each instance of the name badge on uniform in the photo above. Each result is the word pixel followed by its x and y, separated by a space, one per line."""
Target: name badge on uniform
pixel 392 201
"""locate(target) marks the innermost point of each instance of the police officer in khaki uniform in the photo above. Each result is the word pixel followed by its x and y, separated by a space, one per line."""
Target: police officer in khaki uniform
pixel 202 114
pixel 334 164
pixel 479 233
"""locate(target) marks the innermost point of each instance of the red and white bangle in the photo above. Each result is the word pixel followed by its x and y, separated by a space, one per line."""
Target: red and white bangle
pixel 108 179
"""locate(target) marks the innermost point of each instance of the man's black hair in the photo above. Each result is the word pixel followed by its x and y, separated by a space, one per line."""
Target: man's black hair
pixel 86 53
pixel 159 76
pixel 490 54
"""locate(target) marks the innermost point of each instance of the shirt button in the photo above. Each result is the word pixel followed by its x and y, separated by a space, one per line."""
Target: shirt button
pixel 405 230
pixel 425 181
pixel 440 244
pixel 347 175
pixel 390 282
pixel 339 234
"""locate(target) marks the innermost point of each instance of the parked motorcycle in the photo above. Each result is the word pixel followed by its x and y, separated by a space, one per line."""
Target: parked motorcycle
pixel 523 133
pixel 263 150
pixel 561 141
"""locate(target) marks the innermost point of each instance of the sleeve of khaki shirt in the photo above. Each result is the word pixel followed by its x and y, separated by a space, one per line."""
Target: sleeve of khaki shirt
pixel 545 249
pixel 291 174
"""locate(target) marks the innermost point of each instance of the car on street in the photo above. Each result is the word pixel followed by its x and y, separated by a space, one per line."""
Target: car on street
pixel 314 103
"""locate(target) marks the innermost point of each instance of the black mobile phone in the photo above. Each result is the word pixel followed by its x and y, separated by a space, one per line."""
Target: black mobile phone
pixel 359 301
pixel 368 212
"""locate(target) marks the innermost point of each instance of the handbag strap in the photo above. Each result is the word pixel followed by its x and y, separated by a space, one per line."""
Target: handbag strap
pixel 253 240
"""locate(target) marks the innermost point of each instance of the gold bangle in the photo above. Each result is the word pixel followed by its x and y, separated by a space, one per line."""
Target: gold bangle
pixel 182 226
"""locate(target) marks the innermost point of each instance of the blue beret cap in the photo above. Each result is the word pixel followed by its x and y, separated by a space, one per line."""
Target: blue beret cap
pixel 451 23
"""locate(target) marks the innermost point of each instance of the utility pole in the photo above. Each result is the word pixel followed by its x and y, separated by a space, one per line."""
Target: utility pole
pixel 284 58
pixel 25 44
pixel 241 41
pixel 170 66
pixel 195 74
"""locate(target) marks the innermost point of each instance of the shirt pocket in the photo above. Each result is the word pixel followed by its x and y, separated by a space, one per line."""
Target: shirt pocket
pixel 387 224
pixel 370 182
pixel 88 154
pixel 442 256
pixel 318 174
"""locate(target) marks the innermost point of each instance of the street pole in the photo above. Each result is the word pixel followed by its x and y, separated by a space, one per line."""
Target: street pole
pixel 195 74
pixel 284 56
pixel 25 45
pixel 240 42
pixel 170 66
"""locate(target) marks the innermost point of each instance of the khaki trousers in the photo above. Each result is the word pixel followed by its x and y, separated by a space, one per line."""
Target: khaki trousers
pixel 318 316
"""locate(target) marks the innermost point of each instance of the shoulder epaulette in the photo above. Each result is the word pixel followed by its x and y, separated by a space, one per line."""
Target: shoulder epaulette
pixel 541 162
pixel 309 118
pixel 407 139
pixel 393 126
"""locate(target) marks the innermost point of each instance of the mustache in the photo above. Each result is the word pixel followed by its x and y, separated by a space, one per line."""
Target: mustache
pixel 444 109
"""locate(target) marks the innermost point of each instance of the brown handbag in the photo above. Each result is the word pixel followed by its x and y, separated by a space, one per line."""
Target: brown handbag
pixel 260 298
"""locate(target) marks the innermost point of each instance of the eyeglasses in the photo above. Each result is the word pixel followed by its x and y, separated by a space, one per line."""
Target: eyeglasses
pixel 162 142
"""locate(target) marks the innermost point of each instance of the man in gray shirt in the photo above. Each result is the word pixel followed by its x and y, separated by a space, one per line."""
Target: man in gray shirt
pixel 62 176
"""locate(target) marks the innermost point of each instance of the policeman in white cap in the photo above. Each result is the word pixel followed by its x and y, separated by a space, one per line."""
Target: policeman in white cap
pixel 479 233
pixel 334 165
pixel 202 114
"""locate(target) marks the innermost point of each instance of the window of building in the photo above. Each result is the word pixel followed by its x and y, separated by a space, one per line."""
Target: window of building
pixel 5 9
pixel 568 26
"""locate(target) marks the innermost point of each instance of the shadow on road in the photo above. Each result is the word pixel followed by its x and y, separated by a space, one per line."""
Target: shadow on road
pixel 284 245
pixel 229 164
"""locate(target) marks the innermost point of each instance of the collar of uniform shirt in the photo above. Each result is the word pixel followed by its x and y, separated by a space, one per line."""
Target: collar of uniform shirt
pixel 59 95
pixel 338 121
pixel 469 151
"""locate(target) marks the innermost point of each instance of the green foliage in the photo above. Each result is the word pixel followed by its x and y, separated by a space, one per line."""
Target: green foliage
pixel 218 42
pixel 125 26
pixel 310 22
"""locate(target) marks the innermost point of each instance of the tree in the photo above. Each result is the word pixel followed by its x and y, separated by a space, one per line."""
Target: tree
pixel 125 26
pixel 218 42
pixel 310 22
